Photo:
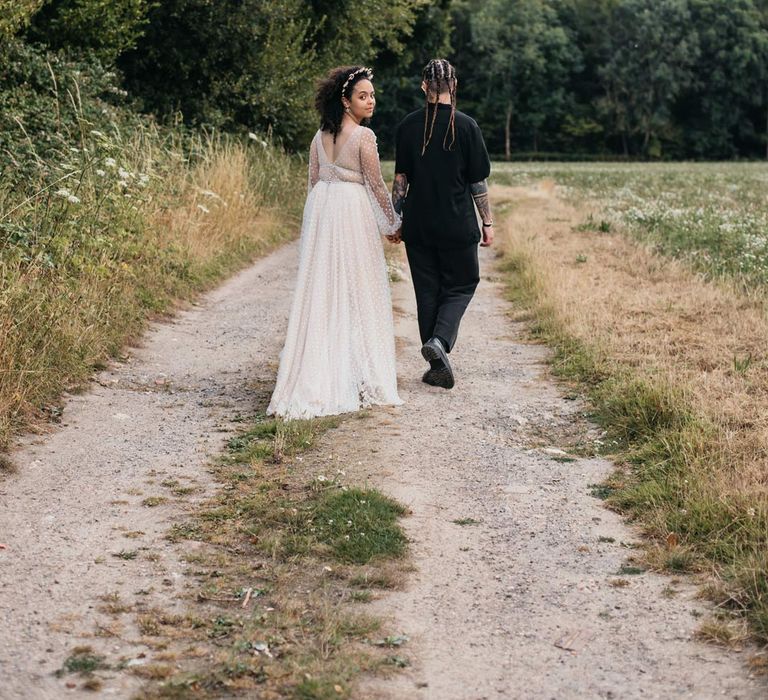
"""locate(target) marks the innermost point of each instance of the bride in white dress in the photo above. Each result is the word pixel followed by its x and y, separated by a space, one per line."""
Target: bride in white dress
pixel 339 352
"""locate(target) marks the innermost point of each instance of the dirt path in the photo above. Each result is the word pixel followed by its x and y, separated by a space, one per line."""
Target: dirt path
pixel 80 496
pixel 519 602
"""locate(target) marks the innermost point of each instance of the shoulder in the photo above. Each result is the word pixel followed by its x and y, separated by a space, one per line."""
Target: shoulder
pixel 366 135
pixel 466 122
pixel 415 117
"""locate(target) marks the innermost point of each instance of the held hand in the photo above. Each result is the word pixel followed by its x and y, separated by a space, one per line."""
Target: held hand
pixel 487 237
pixel 395 237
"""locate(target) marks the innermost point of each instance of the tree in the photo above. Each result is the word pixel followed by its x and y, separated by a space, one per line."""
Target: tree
pixel 397 73
pixel 530 57
pixel 239 64
pixel 652 53
pixel 106 27
pixel 730 74
pixel 14 14
pixel 584 127
pixel 231 64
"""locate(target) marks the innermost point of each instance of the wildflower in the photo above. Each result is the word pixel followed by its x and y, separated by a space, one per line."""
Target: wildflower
pixel 100 172
pixel 110 162
pixel 74 199
pixel 143 179
pixel 123 173
pixel 255 137
pixel 203 209
pixel 63 192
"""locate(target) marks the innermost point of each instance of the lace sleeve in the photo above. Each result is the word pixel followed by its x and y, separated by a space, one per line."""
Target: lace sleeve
pixel 386 217
pixel 314 165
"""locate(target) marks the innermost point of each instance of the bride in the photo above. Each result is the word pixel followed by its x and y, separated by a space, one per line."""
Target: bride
pixel 339 352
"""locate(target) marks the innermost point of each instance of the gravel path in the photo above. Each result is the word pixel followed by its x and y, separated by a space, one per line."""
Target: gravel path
pixel 519 604
pixel 156 418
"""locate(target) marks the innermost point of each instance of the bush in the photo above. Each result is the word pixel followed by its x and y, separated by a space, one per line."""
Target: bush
pixel 49 105
pixel 105 28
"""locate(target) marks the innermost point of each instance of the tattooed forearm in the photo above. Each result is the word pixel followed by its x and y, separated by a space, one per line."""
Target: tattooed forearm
pixel 479 192
pixel 399 190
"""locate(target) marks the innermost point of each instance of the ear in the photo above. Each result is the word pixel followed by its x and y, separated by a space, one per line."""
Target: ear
pixel 424 86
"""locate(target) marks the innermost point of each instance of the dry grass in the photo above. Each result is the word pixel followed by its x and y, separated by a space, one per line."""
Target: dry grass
pixel 651 313
pixel 220 210
pixel 678 373
pixel 189 228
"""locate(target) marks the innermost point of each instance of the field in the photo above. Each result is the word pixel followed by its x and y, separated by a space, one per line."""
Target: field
pixel 711 215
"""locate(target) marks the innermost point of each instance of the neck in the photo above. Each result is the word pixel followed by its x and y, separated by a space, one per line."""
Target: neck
pixel 444 98
pixel 349 118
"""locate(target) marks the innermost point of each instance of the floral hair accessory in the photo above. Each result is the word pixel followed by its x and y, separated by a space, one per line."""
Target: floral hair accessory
pixel 368 74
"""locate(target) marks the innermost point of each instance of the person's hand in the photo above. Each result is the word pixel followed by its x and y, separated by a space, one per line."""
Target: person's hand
pixel 395 237
pixel 487 236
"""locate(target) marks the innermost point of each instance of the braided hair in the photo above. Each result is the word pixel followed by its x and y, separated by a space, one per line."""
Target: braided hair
pixel 339 83
pixel 439 76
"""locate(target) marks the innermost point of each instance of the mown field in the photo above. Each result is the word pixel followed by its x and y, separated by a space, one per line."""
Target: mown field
pixel 649 282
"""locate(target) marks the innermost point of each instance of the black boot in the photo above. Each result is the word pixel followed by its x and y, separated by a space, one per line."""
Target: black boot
pixel 442 374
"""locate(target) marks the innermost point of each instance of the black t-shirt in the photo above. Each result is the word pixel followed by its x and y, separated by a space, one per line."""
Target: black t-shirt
pixel 439 210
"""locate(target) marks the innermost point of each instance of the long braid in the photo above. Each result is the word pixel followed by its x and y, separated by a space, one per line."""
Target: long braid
pixel 431 80
pixel 452 120
pixel 438 75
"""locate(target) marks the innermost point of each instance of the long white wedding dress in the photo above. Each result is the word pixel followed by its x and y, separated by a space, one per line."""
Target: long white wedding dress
pixel 339 352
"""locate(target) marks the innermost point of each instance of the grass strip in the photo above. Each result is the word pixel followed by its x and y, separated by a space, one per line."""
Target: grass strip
pixel 279 562
pixel 672 459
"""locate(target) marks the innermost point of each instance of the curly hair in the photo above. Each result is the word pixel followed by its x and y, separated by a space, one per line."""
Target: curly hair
pixel 339 82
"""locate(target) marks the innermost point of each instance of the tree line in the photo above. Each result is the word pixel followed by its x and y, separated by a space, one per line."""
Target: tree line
pixel 544 78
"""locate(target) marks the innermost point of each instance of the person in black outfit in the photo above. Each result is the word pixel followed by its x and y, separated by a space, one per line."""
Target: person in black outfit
pixel 441 166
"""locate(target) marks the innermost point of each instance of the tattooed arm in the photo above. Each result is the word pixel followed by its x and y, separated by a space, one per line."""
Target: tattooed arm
pixel 399 191
pixel 479 192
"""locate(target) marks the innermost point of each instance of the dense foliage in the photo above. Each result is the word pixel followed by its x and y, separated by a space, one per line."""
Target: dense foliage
pixel 596 78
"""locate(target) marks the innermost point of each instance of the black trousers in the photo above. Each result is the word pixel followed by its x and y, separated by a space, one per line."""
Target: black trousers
pixel 444 282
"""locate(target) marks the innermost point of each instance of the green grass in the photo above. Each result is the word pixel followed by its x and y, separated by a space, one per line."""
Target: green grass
pixel 106 219
pixel 359 525
pixel 309 550
pixel 83 661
